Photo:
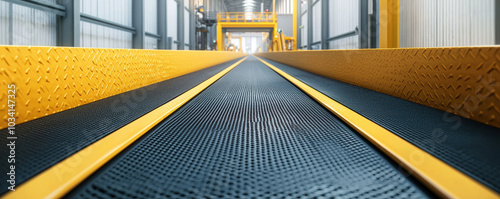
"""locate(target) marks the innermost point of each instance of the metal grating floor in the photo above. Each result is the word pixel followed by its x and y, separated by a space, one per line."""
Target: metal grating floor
pixel 251 134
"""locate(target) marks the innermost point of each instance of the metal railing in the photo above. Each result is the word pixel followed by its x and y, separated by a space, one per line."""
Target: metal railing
pixel 246 17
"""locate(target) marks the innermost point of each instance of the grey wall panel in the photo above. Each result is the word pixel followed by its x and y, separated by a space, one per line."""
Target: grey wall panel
pixel 4 23
pixel 343 18
pixel 119 11
pixel 96 36
pixel 303 6
pixel 316 21
pixel 345 43
pixel 439 23
pixel 172 20
pixel 151 43
pixel 285 23
pixel 151 22
pixel 303 30
pixel 283 7
pixel 186 26
pixel 33 27
pixel 482 22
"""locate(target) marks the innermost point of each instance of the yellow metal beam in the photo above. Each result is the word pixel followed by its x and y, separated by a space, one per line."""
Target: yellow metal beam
pixel 247 25
pixel 437 175
pixel 460 80
pixel 222 25
pixel 54 79
pixel 220 38
pixel 389 23
pixel 64 176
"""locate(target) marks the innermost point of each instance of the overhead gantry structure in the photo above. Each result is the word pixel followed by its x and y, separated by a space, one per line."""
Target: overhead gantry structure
pixel 244 22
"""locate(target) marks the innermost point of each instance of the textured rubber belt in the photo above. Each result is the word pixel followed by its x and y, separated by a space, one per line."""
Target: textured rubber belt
pixel 250 134
pixel 45 141
pixel 467 145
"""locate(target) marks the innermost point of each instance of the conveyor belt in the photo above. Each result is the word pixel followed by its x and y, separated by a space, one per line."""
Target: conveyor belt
pixel 467 145
pixel 250 134
pixel 48 140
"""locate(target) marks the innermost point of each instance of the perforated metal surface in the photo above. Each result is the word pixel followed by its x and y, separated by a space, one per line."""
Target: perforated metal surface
pixel 467 145
pixel 250 134
pixel 45 141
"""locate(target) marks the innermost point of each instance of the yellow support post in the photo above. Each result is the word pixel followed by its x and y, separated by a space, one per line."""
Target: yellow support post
pixel 389 23
pixel 274 7
pixel 220 38
pixel 283 43
pixel 278 43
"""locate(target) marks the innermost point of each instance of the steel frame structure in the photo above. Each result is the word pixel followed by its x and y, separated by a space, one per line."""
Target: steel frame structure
pixel 69 18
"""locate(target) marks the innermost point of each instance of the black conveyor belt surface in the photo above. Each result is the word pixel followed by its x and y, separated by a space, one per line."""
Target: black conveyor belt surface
pixel 467 145
pixel 48 140
pixel 250 134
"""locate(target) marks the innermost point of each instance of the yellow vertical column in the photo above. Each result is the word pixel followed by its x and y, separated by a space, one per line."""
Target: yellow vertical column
pixel 389 23
pixel 220 38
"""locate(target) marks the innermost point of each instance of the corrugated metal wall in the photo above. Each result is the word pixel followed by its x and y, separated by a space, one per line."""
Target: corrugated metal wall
pixel 96 36
pixel 151 23
pixel 285 23
pixel 172 19
pixel 28 26
pixel 303 31
pixel 438 23
pixel 186 24
pixel 316 15
pixel 303 24
pixel 343 18
pixel 20 25
pixel 283 7
pixel 4 23
pixel 186 29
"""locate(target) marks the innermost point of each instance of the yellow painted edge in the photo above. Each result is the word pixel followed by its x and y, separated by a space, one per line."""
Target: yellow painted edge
pixel 64 176
pixel 442 178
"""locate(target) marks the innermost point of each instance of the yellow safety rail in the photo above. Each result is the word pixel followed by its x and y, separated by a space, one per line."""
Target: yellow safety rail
pixel 459 80
pixel 53 79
